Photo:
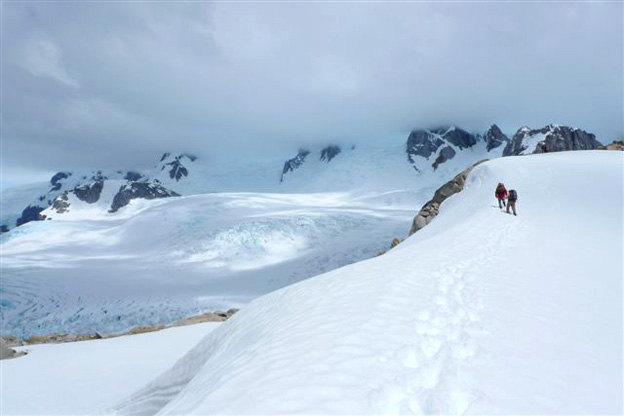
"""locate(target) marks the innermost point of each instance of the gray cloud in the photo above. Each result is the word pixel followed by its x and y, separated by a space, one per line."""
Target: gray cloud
pixel 111 85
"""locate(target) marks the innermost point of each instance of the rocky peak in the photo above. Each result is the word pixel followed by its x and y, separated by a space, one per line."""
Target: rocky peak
pixel 494 137
pixel 550 138
pixel 134 190
pixel 422 143
pixel 459 138
pixel 89 193
pixel 294 163
pixel 175 165
pixel 446 153
pixel 57 179
pixel 330 152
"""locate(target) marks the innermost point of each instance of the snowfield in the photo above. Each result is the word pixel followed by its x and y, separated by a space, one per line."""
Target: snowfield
pixel 478 313
pixel 159 261
pixel 84 377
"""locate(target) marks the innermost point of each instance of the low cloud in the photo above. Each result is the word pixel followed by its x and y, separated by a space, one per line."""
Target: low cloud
pixel 111 85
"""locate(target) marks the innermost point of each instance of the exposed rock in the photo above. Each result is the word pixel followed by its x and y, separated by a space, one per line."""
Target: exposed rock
pixel 329 153
pixel 555 139
pixel 425 143
pixel 11 341
pixel 134 190
pixel 206 317
pixel 430 210
pixel 89 193
pixel 616 145
pixel 4 229
pixel 56 180
pixel 494 137
pixel 39 339
pixel 98 176
pixel 177 170
pixel 132 176
pixel 447 153
pixel 174 165
pixel 422 143
pixel 395 242
pixel 61 203
pixel 144 329
pixel 165 156
pixel 30 213
pixel 7 353
pixel 457 137
pixel 294 163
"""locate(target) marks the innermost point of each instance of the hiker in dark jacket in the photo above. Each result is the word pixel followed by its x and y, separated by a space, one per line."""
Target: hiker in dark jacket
pixel 511 201
pixel 500 194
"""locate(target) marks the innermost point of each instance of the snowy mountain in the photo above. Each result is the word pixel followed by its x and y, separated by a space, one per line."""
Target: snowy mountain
pixel 97 266
pixel 24 204
pixel 551 138
pixel 479 312
pixel 153 257
pixel 322 169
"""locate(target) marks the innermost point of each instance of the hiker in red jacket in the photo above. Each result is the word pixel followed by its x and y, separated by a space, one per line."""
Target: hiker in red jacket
pixel 500 194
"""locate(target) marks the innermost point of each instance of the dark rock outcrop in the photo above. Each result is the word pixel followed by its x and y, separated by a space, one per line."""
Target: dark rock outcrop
pixel 447 153
pixel 6 352
pixel 30 213
pixel 164 156
pixel 135 190
pixel 555 139
pixel 176 169
pixel 494 138
pixel 56 180
pixel 329 153
pixel 430 210
pixel 61 203
pixel 294 163
pixel 457 137
pixel 425 143
pixel 132 176
pixel 422 143
pixel 4 229
pixel 175 165
pixel 89 193
pixel 615 145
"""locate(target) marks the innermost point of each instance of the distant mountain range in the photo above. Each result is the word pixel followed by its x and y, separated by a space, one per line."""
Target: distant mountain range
pixel 325 168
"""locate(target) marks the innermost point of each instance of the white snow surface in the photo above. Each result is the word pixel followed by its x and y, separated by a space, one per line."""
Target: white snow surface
pixel 158 261
pixel 161 260
pixel 84 377
pixel 478 313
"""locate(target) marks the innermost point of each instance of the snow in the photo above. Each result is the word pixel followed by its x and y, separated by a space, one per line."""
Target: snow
pixel 478 313
pixel 85 377
pixel 162 260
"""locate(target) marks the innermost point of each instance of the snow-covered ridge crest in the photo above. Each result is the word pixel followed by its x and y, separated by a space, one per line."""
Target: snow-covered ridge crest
pixel 427 328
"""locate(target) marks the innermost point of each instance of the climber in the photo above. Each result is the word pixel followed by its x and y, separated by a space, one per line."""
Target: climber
pixel 511 201
pixel 500 194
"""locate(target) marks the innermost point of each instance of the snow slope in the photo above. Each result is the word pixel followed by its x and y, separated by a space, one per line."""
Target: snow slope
pixel 479 312
pixel 83 377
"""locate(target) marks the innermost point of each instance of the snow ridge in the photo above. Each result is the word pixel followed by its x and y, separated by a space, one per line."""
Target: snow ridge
pixel 427 327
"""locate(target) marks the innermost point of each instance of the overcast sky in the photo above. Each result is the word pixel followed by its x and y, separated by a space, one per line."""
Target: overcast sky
pixel 112 85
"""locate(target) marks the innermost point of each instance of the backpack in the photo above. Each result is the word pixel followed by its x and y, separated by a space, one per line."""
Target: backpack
pixel 513 195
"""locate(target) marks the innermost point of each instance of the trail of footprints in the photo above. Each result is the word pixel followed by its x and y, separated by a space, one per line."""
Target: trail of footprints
pixel 444 342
